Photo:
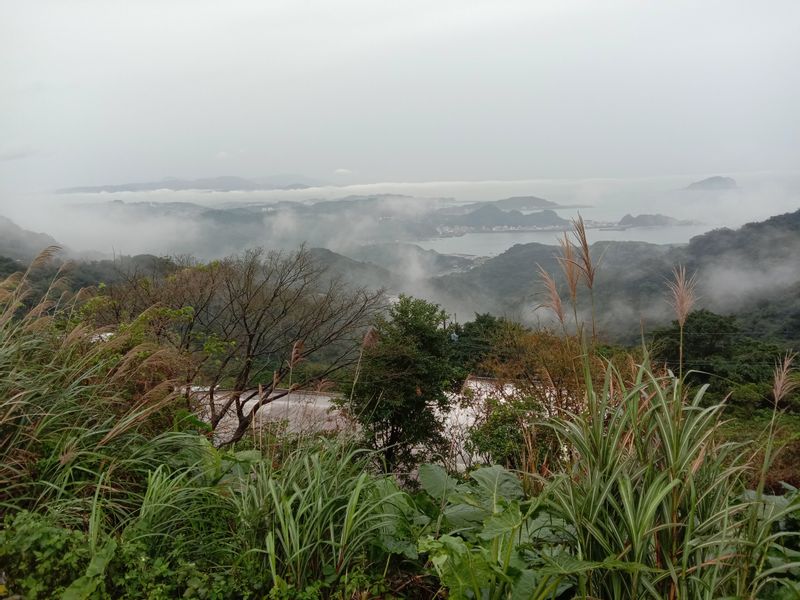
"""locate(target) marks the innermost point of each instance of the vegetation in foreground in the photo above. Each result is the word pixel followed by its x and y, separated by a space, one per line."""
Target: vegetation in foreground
pixel 630 487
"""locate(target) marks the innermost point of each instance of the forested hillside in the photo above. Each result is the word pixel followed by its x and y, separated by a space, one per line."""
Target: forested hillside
pixel 752 271
pixel 362 300
pixel 137 462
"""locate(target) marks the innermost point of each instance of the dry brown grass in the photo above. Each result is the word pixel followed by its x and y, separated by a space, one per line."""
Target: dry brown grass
pixel 682 293
pixel 553 301
pixel 572 272
pixel 586 265
pixel 682 297
pixel 784 382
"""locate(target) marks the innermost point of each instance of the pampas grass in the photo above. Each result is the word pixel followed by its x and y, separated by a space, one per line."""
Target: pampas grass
pixel 553 301
pixel 682 298
pixel 572 272
pixel 586 265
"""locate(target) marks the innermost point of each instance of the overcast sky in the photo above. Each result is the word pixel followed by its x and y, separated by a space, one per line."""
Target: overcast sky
pixel 96 92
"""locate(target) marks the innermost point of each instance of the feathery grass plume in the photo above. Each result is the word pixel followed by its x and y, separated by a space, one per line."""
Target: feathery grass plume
pixel 682 299
pixel 571 270
pixel 586 266
pixel 297 353
pixel 569 266
pixel 371 339
pixel 682 293
pixel 43 258
pixel 783 381
pixel 324 385
pixel 554 302
pixel 783 384
pixel 295 357
pixel 572 273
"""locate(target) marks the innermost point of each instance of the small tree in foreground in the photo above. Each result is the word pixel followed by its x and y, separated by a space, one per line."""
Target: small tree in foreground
pixel 401 390
pixel 244 323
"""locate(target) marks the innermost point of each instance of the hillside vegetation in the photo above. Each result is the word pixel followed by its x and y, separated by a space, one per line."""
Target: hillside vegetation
pixel 751 271
pixel 610 472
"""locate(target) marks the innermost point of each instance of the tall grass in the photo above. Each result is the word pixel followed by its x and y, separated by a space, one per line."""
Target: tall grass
pixel 310 519
pixel 87 439
pixel 651 497
pixel 649 482
pixel 74 404
pixel 315 517
pixel 652 486
pixel 764 556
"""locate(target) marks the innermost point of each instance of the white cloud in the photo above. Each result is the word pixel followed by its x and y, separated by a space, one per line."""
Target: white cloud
pixel 414 90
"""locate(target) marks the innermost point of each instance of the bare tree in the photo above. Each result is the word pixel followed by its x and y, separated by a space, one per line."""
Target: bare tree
pixel 249 320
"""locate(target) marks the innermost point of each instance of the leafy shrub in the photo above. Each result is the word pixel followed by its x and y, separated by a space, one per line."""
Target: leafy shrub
pixel 489 541
pixel 41 559
pixel 401 391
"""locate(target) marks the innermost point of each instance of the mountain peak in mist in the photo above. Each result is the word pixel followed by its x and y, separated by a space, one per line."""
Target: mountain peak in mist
pixel 714 183
pixel 19 243
pixel 490 216
pixel 524 203
pixel 657 220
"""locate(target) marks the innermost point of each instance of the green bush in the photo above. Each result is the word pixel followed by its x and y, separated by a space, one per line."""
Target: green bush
pixel 482 543
pixel 39 558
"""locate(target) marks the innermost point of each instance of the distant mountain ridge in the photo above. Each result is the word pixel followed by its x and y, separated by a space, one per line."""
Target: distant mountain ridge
pixel 518 203
pixel 751 271
pixel 225 183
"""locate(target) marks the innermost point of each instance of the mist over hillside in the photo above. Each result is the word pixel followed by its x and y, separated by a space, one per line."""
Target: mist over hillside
pixel 749 271
pixel 752 271
pixel 384 239
pixel 464 300
pixel 20 244
pixel 467 217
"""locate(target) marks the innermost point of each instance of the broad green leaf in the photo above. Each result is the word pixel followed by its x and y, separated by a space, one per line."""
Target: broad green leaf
pixel 436 482
pixel 566 564
pixel 508 521
pixel 394 545
pixel 464 516
pixel 498 484
pixel 86 585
